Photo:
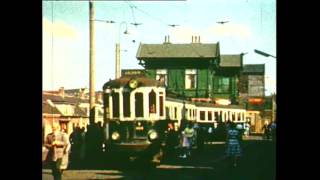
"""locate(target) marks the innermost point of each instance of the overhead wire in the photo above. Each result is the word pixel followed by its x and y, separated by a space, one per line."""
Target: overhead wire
pixel 133 6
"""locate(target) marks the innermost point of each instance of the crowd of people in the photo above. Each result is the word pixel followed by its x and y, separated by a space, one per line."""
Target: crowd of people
pixel 269 131
pixel 80 149
pixel 85 148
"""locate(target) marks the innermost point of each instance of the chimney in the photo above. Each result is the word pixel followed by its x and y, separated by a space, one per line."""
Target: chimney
pixel 61 92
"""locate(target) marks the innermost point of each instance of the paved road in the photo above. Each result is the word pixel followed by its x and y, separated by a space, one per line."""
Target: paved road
pixel 257 163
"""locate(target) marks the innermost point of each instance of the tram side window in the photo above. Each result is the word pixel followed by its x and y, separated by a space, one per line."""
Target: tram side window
pixel 233 116
pixel 202 115
pixel 216 116
pixel 239 116
pixel 126 104
pixel 168 113
pixel 209 116
pixel 161 105
pixel 186 114
pixel 175 112
pixel 115 104
pixel 139 104
pixel 152 102
pixel 106 105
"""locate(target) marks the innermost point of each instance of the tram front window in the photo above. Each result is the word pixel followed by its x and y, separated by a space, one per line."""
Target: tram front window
pixel 139 104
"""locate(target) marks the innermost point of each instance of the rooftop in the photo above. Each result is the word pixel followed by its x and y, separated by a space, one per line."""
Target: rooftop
pixel 253 68
pixel 124 80
pixel 168 50
pixel 231 60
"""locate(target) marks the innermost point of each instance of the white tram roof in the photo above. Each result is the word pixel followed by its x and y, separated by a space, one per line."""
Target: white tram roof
pixel 124 80
pixel 204 104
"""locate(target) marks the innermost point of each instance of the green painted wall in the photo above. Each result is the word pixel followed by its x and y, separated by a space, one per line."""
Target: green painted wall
pixel 205 78
pixel 151 73
pixel 176 79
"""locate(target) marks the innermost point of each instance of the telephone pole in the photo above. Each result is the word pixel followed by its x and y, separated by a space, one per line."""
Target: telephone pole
pixel 92 63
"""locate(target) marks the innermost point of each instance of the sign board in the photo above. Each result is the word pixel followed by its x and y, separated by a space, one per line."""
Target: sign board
pixel 257 101
pixel 132 72
pixel 224 102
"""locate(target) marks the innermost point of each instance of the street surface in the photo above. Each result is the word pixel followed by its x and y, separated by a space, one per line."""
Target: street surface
pixel 257 163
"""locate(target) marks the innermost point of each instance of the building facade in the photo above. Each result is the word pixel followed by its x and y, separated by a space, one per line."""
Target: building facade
pixel 69 108
pixel 195 70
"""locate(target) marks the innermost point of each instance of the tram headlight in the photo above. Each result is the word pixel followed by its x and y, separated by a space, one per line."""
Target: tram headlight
pixel 152 135
pixel 115 136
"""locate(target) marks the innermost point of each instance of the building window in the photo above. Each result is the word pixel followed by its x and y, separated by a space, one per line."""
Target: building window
pixel 191 78
pixel 222 85
pixel 126 104
pixel 115 104
pixel 209 116
pixel 139 104
pixel 202 115
pixel 161 75
pixel 256 85
pixel 152 102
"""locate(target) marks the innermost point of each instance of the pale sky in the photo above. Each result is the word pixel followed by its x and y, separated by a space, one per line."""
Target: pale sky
pixel 252 25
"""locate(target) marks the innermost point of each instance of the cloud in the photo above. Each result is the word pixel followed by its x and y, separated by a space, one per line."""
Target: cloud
pixel 61 62
pixel 270 84
pixel 59 28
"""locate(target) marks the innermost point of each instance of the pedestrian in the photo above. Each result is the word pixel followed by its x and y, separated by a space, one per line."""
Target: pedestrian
pixel 171 141
pixel 247 129
pixel 75 141
pixel 273 131
pixel 210 134
pixel 58 145
pixel 200 139
pixel 187 136
pixel 233 150
pixel 266 130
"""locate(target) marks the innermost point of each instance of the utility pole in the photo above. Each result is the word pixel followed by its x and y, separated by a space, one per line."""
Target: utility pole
pixel 92 63
pixel 117 60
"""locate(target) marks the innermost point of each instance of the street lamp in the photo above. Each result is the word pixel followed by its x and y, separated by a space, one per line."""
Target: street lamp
pixel 273 102
pixel 118 49
pixel 117 65
pixel 263 53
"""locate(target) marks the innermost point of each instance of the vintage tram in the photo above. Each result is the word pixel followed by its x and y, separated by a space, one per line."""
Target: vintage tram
pixel 135 116
pixel 138 111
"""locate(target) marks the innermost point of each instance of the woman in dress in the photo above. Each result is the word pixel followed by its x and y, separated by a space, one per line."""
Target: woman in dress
pixel 233 150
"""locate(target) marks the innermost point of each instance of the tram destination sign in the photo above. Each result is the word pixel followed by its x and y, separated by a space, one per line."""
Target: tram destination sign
pixel 133 72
